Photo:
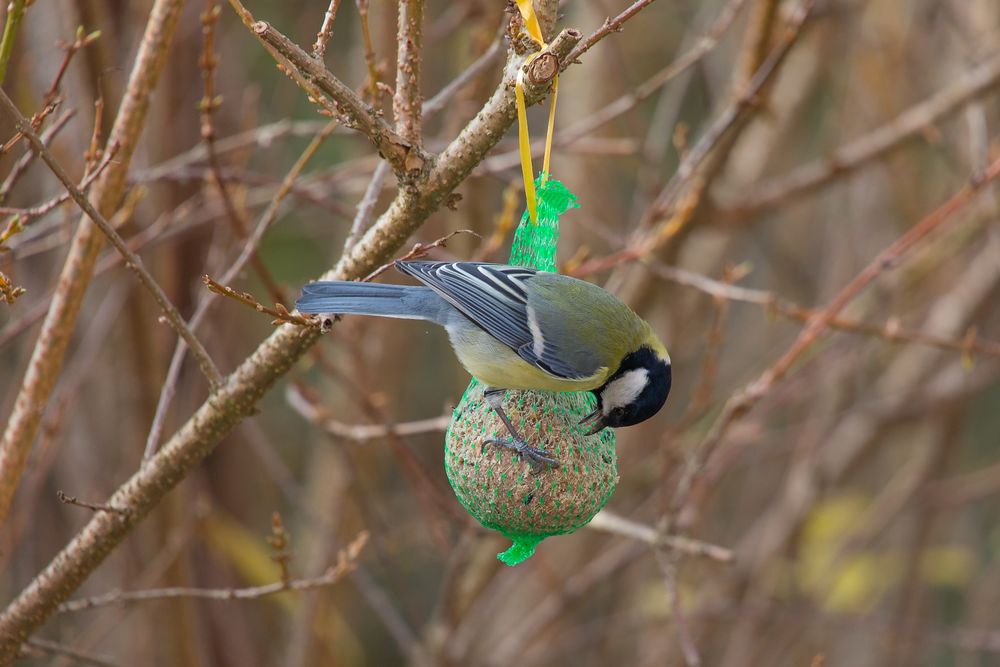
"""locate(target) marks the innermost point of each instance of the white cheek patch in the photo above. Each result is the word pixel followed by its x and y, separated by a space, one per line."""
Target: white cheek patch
pixel 623 390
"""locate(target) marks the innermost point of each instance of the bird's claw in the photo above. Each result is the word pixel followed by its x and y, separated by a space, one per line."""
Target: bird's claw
pixel 536 457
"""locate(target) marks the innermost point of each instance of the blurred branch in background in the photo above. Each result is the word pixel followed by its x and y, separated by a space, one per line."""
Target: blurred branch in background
pixel 50 347
pixel 754 178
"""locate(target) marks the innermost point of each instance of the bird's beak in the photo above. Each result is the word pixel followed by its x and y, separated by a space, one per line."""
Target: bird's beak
pixel 594 422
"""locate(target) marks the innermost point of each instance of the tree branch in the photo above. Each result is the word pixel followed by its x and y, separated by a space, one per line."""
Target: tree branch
pixel 406 103
pixel 610 522
pixel 272 359
pixel 325 30
pixel 346 562
pixel 405 158
pixel 742 402
pixel 867 148
pixel 15 12
pixel 50 347
pixel 133 261
pixel 610 25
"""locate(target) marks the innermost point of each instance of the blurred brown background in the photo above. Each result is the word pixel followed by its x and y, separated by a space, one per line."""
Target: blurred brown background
pixel 859 496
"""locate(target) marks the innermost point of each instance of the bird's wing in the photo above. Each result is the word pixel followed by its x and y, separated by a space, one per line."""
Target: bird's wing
pixel 495 298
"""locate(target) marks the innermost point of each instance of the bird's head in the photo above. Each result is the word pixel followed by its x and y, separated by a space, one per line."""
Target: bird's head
pixel 634 393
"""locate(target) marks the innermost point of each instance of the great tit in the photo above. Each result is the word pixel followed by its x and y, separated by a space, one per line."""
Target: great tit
pixel 513 327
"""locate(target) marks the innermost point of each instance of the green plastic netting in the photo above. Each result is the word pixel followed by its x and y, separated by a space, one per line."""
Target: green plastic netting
pixel 492 483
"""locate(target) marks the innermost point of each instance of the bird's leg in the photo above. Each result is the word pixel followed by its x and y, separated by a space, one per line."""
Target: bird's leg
pixel 536 457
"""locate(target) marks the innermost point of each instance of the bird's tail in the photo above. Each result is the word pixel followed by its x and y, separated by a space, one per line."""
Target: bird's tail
pixel 342 297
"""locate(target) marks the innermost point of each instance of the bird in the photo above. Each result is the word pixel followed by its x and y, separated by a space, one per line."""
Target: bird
pixel 516 327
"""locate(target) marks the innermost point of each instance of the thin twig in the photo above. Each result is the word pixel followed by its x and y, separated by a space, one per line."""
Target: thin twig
pixel 318 415
pixel 366 37
pixel 25 160
pixel 345 104
pixel 201 311
pixel 594 121
pixel 702 395
pixel 668 567
pixel 263 137
pixel 325 30
pixel 971 344
pixel 346 562
pixel 478 66
pixel 36 122
pixel 742 402
pixel 610 522
pixel 50 648
pixel 73 500
pixel 50 346
pixel 279 312
pixel 210 101
pixel 610 25
pixel 133 261
pixel 23 217
pixel 418 250
pixel 733 113
pixel 867 148
pixel 15 12
pixel 407 102
pixel 680 198
pixel 273 359
pixel 366 207
pixel 50 99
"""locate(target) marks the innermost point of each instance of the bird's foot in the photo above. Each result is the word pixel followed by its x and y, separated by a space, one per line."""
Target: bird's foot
pixel 537 458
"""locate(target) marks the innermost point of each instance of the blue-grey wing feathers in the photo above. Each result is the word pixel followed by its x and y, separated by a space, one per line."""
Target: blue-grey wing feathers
pixel 496 298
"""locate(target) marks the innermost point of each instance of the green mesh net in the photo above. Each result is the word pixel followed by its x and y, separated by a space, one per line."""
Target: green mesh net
pixel 492 483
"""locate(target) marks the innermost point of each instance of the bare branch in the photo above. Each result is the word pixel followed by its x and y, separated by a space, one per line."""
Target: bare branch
pixel 744 401
pixel 50 347
pixel 25 160
pixel 249 249
pixel 867 148
pixel 272 359
pixel 404 157
pixel 418 250
pixel 73 500
pixel 732 115
pixel 610 25
pixel 45 647
pixel 593 121
pixel 346 562
pixel 366 36
pixel 319 416
pixel 23 217
pixel 134 262
pixel 407 102
pixel 50 100
pixel 325 30
pixel 15 12
pixel 610 522
pixel 279 312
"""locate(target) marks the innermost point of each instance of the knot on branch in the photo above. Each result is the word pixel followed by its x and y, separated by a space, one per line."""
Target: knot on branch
pixel 399 151
pixel 543 69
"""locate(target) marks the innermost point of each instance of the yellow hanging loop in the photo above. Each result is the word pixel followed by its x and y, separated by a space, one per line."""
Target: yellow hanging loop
pixel 527 10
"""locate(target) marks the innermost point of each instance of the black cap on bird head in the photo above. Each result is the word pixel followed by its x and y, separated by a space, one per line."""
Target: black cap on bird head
pixel 636 392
